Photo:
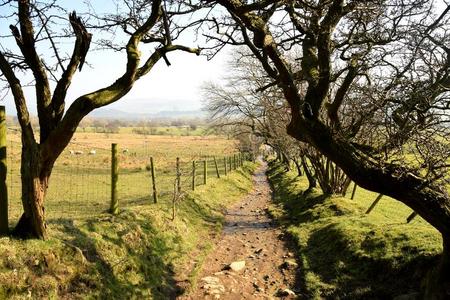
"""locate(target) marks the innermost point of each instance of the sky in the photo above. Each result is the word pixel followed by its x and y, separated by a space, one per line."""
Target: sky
pixel 175 87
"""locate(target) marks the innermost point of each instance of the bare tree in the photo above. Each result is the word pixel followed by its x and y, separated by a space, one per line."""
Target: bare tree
pixel 377 76
pixel 38 24
pixel 249 102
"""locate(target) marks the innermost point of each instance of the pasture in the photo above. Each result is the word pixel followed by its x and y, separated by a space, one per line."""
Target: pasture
pixel 81 179
pixel 186 130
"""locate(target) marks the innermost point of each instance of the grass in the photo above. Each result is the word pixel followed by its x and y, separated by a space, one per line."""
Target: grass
pixel 155 130
pixel 346 254
pixel 80 184
pixel 134 255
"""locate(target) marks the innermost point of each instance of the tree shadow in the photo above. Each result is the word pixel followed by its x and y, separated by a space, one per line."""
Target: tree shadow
pixel 357 276
pixel 335 265
pixel 148 259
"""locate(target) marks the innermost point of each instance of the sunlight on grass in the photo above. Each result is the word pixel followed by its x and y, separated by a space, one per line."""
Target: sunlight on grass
pixel 134 254
pixel 347 254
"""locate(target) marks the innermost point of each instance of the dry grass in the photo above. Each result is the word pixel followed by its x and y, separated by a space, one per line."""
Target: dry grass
pixel 80 184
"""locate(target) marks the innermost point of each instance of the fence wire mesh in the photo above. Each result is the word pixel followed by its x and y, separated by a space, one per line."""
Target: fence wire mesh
pixel 80 184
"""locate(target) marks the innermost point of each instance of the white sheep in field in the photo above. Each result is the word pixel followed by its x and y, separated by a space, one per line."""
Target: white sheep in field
pixel 79 152
pixel 71 152
pixel 92 152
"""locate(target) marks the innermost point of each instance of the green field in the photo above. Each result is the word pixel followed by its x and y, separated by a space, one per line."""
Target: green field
pixel 80 184
pixel 347 254
pixel 133 255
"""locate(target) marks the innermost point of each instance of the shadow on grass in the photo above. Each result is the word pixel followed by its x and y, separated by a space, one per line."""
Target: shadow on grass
pixel 341 254
pixel 108 277
pixel 373 275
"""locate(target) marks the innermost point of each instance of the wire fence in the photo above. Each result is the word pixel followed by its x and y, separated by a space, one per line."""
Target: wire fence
pixel 80 184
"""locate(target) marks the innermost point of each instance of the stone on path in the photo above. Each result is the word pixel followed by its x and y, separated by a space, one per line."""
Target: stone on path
pixel 237 266
pixel 289 264
pixel 285 293
pixel 210 280
pixel 212 285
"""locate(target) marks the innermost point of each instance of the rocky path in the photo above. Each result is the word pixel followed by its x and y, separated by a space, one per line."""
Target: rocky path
pixel 250 260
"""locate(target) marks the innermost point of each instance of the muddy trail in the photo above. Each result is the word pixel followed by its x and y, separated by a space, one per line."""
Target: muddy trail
pixel 250 259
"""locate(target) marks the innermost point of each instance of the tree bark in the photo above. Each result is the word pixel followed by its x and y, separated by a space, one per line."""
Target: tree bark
pixel 331 178
pixel 286 161
pixel 311 179
pixel 298 166
pixel 429 201
pixel 35 177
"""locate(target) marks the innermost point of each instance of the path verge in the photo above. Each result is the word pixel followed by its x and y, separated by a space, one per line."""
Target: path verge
pixel 249 260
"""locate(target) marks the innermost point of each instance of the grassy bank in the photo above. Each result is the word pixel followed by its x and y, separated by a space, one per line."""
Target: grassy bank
pixel 135 254
pixel 346 254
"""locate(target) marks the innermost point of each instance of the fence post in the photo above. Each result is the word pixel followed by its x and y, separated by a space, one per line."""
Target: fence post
pixel 217 167
pixel 193 175
pixel 3 171
pixel 411 217
pixel 155 193
pixel 178 176
pixel 114 207
pixel 374 203
pixel 234 162
pixel 229 163
pixel 205 171
pixel 354 191
pixel 225 165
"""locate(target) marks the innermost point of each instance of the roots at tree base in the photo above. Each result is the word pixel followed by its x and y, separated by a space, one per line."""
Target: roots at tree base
pixel 25 229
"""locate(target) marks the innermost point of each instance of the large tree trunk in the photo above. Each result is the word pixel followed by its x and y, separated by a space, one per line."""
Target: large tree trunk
pixel 35 175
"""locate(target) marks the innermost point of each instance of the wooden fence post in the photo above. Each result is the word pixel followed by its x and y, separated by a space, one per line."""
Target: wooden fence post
pixel 234 161
pixel 3 171
pixel 217 167
pixel 114 207
pixel 155 192
pixel 178 176
pixel 374 203
pixel 193 175
pixel 225 165
pixel 230 163
pixel 353 191
pixel 411 217
pixel 205 171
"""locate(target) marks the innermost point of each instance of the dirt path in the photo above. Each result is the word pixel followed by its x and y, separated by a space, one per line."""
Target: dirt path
pixel 249 236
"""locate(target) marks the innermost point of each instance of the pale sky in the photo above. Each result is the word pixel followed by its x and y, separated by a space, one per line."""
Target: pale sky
pixel 165 88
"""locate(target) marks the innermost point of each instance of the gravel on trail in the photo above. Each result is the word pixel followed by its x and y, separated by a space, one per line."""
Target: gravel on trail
pixel 250 260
